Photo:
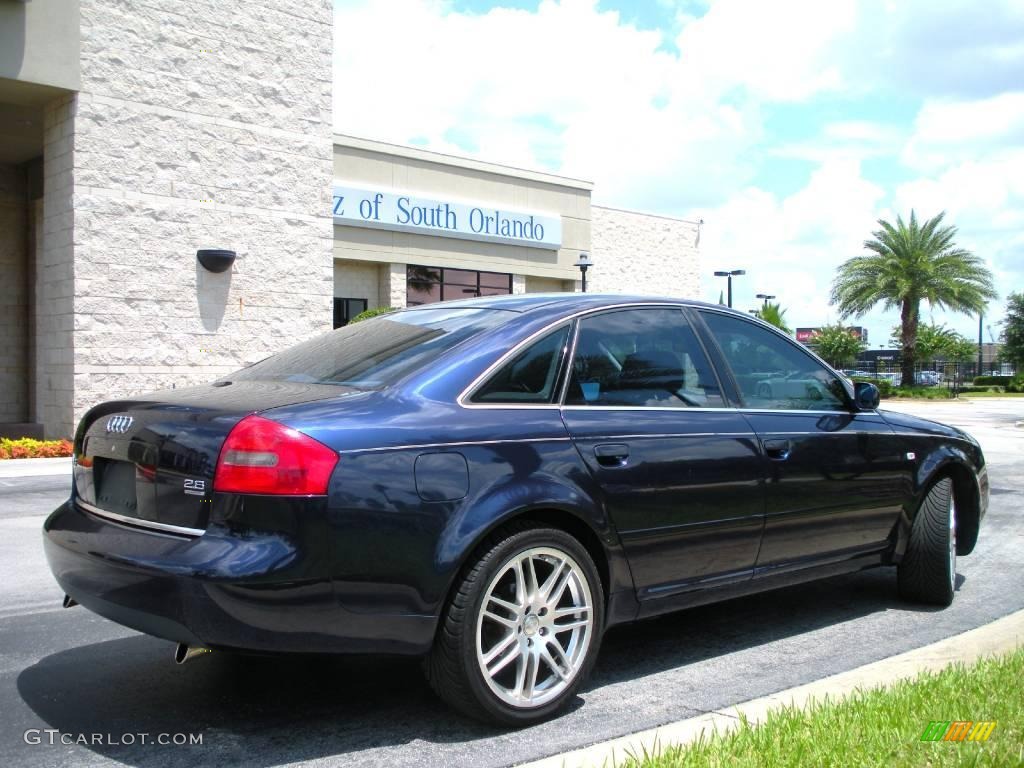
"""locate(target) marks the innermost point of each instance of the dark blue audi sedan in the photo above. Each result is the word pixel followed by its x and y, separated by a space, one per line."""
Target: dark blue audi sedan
pixel 491 483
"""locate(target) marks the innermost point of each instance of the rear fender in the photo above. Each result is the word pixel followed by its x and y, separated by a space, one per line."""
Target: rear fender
pixel 549 500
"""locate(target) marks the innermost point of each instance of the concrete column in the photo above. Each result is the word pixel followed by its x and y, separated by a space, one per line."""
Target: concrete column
pixel 396 284
pixel 13 299
pixel 55 275
pixel 199 124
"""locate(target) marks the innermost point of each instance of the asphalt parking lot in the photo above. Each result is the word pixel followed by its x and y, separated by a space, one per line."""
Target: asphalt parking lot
pixel 83 676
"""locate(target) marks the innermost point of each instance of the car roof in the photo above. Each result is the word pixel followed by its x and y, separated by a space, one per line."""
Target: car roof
pixel 558 303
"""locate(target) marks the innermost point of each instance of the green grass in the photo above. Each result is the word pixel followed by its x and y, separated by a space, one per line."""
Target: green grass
pixel 972 395
pixel 921 393
pixel 879 727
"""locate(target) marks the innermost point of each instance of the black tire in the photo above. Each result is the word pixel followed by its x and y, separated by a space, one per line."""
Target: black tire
pixel 927 572
pixel 453 669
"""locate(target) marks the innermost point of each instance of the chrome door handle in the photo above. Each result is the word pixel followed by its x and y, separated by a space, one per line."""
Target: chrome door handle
pixel 777 449
pixel 611 454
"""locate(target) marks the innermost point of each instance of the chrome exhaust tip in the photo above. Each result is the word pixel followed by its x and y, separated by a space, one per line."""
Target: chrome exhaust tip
pixel 69 601
pixel 185 653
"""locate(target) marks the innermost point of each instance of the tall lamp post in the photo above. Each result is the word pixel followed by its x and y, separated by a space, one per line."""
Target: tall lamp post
pixel 583 262
pixel 766 297
pixel 981 341
pixel 729 274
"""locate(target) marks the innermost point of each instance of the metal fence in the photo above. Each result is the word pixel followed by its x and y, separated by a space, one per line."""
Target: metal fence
pixel 936 373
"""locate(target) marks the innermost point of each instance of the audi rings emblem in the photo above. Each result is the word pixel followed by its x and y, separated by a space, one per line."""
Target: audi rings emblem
pixel 119 424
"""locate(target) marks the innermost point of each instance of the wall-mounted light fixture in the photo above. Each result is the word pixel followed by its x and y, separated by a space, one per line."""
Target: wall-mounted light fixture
pixel 215 259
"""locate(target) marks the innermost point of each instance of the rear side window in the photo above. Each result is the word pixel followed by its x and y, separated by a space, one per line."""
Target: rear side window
pixel 375 353
pixel 641 358
pixel 530 376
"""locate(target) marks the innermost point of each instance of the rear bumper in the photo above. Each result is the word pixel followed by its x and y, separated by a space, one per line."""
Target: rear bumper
pixel 229 588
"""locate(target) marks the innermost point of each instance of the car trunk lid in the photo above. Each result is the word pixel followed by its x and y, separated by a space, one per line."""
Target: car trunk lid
pixel 150 461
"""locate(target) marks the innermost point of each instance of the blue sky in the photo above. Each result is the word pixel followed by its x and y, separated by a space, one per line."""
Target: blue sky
pixel 789 127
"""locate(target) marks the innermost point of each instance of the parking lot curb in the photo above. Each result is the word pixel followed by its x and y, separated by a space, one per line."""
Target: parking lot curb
pixel 997 637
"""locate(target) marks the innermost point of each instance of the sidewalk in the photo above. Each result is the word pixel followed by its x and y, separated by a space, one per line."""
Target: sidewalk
pixel 1000 636
pixel 35 467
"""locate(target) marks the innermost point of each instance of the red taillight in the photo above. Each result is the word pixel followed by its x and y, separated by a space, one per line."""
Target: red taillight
pixel 264 456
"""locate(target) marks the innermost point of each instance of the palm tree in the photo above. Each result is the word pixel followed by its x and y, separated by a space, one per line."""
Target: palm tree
pixel 774 314
pixel 908 264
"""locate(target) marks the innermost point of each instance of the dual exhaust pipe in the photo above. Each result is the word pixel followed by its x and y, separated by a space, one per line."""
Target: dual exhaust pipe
pixel 182 653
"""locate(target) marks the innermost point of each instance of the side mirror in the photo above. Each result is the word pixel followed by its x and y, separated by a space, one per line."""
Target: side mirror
pixel 865 395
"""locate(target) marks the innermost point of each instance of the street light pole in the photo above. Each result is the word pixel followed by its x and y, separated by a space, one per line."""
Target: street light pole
pixel 766 297
pixel 584 262
pixel 981 340
pixel 728 274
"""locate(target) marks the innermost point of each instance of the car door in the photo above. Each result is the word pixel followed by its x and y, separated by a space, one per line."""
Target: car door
pixel 680 474
pixel 836 480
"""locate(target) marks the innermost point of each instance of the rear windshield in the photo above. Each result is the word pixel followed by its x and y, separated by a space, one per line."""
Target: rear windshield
pixel 375 353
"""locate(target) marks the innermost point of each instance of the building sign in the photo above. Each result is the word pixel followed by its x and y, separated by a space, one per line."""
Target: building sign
pixel 407 212
pixel 806 335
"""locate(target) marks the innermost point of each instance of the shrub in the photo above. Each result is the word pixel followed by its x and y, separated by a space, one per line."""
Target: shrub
pixel 923 393
pixel 27 448
pixel 992 381
pixel 367 314
pixel 885 387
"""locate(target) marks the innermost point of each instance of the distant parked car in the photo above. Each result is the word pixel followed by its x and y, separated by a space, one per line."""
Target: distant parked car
pixel 796 385
pixel 928 378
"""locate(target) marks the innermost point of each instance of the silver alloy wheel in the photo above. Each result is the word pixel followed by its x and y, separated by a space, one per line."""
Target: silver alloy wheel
pixel 534 627
pixel 952 540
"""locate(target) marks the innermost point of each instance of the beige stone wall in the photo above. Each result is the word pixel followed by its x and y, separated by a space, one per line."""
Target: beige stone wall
pixel 536 284
pixel 200 124
pixel 13 299
pixel 358 280
pixel 363 162
pixel 643 254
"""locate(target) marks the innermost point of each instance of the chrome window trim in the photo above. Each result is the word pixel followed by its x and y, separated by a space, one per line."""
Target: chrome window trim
pixel 776 411
pixel 136 523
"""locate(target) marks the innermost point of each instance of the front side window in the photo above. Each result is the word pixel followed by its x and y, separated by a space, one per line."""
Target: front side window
pixel 377 352
pixel 772 373
pixel 641 358
pixel 530 376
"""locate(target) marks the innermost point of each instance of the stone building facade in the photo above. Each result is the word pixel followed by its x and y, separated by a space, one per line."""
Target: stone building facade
pixel 193 125
pixel 133 135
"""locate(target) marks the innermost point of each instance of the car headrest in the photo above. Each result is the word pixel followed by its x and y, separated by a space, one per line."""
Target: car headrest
pixel 656 369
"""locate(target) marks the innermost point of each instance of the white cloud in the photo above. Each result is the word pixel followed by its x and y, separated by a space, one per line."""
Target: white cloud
pixel 574 89
pixel 946 132
pixel 790 247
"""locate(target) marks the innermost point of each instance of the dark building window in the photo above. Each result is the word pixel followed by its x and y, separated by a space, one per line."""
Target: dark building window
pixel 426 285
pixel 346 309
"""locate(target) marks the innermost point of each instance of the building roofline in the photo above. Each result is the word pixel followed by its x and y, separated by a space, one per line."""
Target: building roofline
pixel 695 222
pixel 416 153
